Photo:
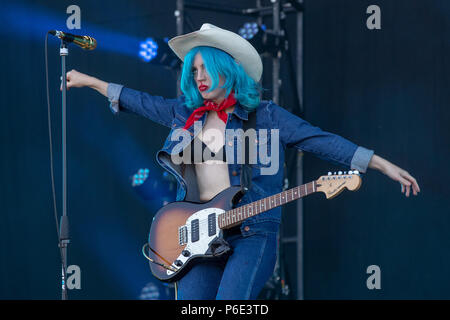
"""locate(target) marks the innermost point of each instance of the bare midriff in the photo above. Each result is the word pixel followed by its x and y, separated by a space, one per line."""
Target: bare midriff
pixel 212 175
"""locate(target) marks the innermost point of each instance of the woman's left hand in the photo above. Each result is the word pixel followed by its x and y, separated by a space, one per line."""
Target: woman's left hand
pixel 396 173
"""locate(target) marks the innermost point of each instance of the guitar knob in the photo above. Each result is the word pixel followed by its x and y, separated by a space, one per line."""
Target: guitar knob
pixel 185 253
pixel 350 172
pixel 178 263
pixel 329 173
pixel 356 172
pixel 340 172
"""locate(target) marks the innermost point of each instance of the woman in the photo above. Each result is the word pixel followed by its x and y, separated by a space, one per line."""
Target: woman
pixel 219 83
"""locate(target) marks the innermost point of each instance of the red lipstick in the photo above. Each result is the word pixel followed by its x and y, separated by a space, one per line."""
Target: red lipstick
pixel 202 88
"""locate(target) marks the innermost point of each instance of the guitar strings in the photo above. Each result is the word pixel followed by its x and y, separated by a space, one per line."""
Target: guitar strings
pixel 203 221
pixel 263 206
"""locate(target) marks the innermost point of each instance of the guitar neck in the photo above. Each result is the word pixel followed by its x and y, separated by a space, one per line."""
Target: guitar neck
pixel 235 216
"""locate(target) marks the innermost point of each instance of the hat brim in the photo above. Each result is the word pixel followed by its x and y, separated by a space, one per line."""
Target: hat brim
pixel 239 48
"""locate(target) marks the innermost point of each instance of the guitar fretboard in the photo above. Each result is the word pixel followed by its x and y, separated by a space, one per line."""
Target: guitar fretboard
pixel 235 216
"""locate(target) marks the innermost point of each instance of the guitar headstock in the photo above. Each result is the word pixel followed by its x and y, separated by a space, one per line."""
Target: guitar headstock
pixel 333 184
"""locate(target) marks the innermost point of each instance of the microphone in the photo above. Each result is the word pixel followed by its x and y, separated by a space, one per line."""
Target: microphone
pixel 85 42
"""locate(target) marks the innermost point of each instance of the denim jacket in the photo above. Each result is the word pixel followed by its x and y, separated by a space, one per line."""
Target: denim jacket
pixel 293 132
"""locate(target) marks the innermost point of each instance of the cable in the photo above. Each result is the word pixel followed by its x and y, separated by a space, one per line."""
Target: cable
pixel 50 136
pixel 176 291
pixel 49 121
pixel 162 265
pixel 170 268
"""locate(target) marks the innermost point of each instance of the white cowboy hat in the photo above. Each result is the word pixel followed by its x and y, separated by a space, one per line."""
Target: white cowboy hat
pixel 233 44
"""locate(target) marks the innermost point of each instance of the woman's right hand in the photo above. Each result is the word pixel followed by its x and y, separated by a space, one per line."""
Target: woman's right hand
pixel 77 79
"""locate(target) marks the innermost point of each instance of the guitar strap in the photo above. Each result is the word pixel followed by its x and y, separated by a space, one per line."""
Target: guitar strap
pixel 246 169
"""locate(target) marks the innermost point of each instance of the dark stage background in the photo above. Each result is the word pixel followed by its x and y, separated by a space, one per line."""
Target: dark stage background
pixel 383 89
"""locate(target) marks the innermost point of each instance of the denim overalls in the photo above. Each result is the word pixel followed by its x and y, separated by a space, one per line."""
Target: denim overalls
pixel 254 244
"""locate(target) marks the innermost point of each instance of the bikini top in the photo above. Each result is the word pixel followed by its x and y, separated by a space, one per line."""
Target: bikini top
pixel 208 155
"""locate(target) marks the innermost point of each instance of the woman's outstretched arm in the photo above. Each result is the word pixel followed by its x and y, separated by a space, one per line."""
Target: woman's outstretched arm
pixel 299 133
pixel 158 109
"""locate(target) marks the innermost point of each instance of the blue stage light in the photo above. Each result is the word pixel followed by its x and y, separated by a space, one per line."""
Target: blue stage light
pixel 148 49
pixel 153 188
pixel 262 39
pixel 157 51
pixel 140 177
pixel 249 30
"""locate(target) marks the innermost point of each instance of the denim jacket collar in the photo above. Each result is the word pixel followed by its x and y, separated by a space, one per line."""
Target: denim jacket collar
pixel 240 112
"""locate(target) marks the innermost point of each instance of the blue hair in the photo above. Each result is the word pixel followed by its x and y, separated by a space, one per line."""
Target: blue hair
pixel 218 62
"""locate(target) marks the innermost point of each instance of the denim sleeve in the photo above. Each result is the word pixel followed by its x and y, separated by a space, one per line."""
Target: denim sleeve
pixel 113 92
pixel 361 159
pixel 155 108
pixel 298 133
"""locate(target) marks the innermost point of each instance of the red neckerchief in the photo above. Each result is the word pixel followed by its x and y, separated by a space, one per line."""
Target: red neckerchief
pixel 209 105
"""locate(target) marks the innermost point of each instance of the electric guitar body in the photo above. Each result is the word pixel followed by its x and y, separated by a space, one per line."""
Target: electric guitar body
pixel 183 233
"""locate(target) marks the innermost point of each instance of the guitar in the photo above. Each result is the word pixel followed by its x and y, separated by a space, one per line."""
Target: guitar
pixel 185 232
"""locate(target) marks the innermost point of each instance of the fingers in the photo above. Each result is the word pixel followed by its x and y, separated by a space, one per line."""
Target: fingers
pixel 408 182
pixel 405 188
pixel 69 74
pixel 68 80
pixel 415 185
pixel 68 85
pixel 396 173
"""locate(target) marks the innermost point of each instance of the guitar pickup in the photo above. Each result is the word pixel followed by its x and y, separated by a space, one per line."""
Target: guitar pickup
pixel 195 230
pixel 212 224
pixel 182 235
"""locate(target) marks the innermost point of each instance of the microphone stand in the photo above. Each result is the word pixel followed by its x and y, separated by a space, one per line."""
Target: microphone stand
pixel 64 221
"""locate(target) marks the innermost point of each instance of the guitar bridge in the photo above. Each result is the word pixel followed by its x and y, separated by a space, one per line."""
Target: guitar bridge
pixel 182 235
